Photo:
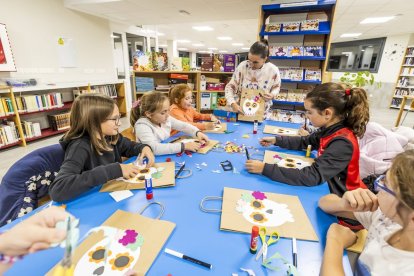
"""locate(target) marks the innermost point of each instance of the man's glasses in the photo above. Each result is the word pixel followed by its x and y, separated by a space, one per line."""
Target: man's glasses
pixel 379 183
pixel 116 119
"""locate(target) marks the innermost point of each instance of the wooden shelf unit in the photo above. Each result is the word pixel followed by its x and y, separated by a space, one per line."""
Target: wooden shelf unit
pixel 161 78
pixel 404 89
pixel 324 10
pixel 47 131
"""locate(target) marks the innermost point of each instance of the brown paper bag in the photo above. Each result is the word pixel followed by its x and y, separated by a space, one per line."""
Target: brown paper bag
pixel 202 150
pixel 166 179
pixel 287 160
pixel 358 246
pixel 219 129
pixel 242 209
pixel 283 131
pixel 252 104
pixel 133 242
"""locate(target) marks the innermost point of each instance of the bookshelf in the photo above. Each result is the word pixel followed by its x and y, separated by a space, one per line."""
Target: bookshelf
pixel 162 80
pixel 306 28
pixel 405 80
pixel 34 110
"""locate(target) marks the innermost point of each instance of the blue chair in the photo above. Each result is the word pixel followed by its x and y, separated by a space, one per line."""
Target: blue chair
pixel 27 181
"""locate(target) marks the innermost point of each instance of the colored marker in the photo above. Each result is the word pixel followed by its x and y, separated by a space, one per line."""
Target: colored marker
pixel 247 154
pixel 253 239
pixel 185 257
pixel 228 116
pixel 148 187
pixel 295 253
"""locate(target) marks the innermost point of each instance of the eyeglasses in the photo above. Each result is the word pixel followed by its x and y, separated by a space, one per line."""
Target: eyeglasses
pixel 116 119
pixel 379 183
pixel 254 62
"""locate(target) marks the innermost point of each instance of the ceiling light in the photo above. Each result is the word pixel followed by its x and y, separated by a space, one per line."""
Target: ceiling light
pixel 245 48
pixel 362 50
pixel 346 53
pixel 203 28
pixel 237 44
pixel 351 35
pixel 203 51
pixel 212 48
pixel 182 49
pixel 162 45
pixel 184 13
pixel 160 34
pixel 224 38
pixel 375 20
pixel 223 51
pixel 198 44
pixel 183 41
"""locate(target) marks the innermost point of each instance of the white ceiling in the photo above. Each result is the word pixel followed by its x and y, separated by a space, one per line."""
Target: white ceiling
pixel 239 19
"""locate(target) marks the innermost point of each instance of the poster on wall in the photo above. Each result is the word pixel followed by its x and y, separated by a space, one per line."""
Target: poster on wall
pixel 6 55
pixel 66 52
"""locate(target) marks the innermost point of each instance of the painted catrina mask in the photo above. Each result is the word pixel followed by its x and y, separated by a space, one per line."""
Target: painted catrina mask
pixel 123 251
pixel 250 107
pixel 289 162
pixel 259 210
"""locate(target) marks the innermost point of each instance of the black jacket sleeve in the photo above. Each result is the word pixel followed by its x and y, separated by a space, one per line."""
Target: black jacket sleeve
pixel 128 148
pixel 298 142
pixel 334 160
pixel 72 180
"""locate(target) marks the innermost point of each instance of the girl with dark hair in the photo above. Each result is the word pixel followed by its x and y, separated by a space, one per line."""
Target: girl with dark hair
pixel 254 73
pixel 341 113
pixel 93 148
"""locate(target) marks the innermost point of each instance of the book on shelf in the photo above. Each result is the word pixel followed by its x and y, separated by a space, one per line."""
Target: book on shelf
pixel 107 89
pixel 218 61
pixel 409 61
pixel 313 51
pixel 163 87
pixel 207 62
pixel 229 62
pixel 59 121
pixel 6 107
pixel 205 101
pixel 176 64
pixel 291 26
pixel 313 74
pixel 142 61
pixel 294 51
pixel 410 51
pixel 32 103
pixel 273 27
pixel 143 84
pixel 185 63
pixel 404 92
pixel 403 81
pixel 213 103
pixel 159 61
pixel 31 129
pixel 407 71
pixel 8 134
pixel 291 95
pixel 290 116
pixel 278 51
pixel 310 25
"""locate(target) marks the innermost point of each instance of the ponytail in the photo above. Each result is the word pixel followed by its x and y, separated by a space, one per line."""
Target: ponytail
pixel 149 102
pixel 350 104
pixel 357 107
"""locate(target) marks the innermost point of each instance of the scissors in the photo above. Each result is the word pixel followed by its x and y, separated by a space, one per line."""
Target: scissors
pixel 274 237
pixel 65 267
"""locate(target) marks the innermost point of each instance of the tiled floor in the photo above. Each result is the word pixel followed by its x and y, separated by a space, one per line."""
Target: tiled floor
pixel 385 117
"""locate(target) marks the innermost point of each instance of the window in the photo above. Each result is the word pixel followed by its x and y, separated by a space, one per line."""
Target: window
pixel 359 55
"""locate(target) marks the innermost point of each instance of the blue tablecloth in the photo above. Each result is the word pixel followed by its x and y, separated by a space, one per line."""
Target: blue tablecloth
pixel 197 233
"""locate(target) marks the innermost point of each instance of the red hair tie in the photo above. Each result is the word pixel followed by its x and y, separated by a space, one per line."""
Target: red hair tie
pixel 348 92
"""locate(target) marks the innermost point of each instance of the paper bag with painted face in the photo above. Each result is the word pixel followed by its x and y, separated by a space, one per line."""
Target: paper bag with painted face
pixel 282 131
pixel 124 242
pixel 162 176
pixel 203 150
pixel 252 104
pixel 282 213
pixel 287 160
pixel 218 128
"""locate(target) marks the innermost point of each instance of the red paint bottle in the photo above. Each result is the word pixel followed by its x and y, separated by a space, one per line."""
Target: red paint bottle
pixel 255 126
pixel 253 240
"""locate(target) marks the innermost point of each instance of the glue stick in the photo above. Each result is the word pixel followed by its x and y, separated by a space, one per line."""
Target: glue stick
pixel 308 151
pixel 148 186
pixel 255 125
pixel 253 240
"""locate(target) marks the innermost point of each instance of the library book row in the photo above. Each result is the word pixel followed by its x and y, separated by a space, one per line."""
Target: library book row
pixel 300 74
pixel 306 25
pixel 295 51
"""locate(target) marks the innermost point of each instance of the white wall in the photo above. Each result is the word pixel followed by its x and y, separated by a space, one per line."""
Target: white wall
pixel 34 31
pixel 388 71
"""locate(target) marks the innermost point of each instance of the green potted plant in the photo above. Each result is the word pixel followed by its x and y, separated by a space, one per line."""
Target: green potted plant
pixel 360 79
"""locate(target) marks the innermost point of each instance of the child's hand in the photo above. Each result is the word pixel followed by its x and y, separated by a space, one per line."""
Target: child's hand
pixel 147 152
pixel 360 200
pixel 204 138
pixel 236 108
pixel 209 125
pixel 129 170
pixel 268 96
pixel 303 132
pixel 35 233
pixel 214 119
pixel 254 166
pixel 342 235
pixel 267 141
pixel 192 146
